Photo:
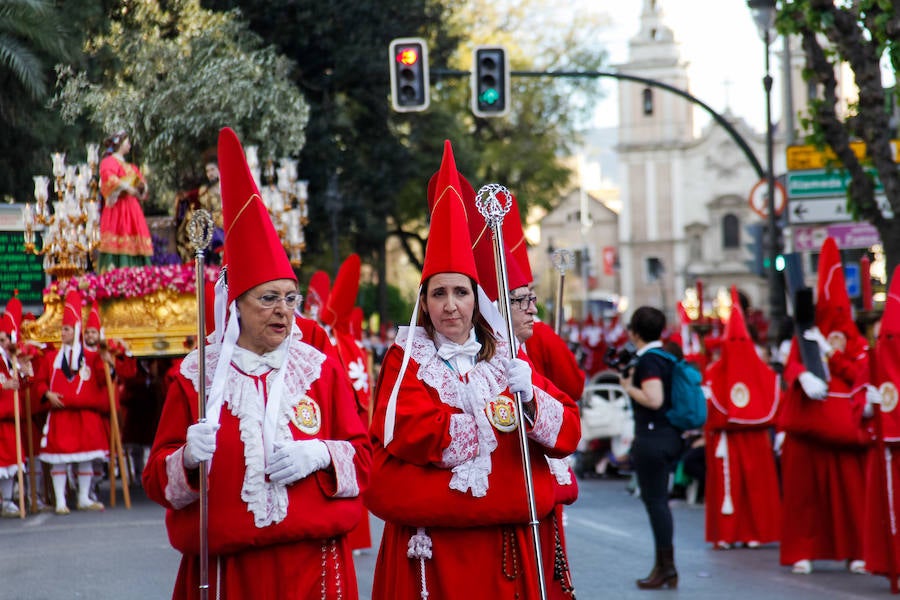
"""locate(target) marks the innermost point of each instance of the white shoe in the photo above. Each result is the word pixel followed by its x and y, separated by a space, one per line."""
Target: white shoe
pixel 802 567
pixel 723 545
pixel 753 544
pixel 9 510
pixel 857 567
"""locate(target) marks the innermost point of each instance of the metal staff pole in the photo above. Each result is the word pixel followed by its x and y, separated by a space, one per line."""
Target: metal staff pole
pixel 200 231
pixel 493 211
pixel 562 262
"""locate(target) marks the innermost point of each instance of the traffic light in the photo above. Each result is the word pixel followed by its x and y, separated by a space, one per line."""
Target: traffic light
pixel 408 62
pixel 490 82
pixel 757 248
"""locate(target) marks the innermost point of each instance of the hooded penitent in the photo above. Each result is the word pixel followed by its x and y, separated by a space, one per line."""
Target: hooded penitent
pixel 342 297
pixel 886 371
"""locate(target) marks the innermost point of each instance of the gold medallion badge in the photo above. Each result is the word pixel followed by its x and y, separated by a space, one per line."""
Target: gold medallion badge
pixel 307 417
pixel 501 412
pixel 85 372
pixel 888 396
pixel 740 394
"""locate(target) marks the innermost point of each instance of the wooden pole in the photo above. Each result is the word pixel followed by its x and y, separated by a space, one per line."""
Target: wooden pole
pixel 115 449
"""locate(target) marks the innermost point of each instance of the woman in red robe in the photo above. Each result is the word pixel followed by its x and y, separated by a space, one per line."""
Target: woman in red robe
pixel 447 476
pixel 287 455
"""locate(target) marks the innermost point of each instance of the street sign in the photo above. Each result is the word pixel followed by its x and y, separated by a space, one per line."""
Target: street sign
pixel 809 157
pixel 819 210
pixel 759 198
pixel 847 236
pixel 828 210
pixel 822 182
pixel 851 277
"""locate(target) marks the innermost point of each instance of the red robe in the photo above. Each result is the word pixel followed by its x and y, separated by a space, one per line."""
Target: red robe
pixel 550 357
pixel 881 533
pixel 266 541
pixel 823 463
pixel 356 364
pixel 77 432
pixel 441 438
pixel 742 495
pixel 9 455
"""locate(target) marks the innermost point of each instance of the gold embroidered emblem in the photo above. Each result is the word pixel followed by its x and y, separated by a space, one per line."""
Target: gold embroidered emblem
pixel 888 396
pixel 740 394
pixel 501 412
pixel 307 417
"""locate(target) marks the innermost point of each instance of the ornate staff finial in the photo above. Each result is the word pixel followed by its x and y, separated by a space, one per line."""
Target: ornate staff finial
pixel 490 206
pixel 562 260
pixel 200 230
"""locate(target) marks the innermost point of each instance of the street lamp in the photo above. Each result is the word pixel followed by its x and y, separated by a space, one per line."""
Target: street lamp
pixel 764 14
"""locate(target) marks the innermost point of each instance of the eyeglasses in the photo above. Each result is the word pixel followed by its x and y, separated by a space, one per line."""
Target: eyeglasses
pixel 523 302
pixel 270 300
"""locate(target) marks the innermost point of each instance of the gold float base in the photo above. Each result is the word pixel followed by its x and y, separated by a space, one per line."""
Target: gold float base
pixel 156 324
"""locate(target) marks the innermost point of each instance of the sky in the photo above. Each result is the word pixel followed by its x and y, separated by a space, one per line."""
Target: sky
pixel 722 45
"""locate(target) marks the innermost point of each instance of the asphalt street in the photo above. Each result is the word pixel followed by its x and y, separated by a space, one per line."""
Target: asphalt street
pixel 124 554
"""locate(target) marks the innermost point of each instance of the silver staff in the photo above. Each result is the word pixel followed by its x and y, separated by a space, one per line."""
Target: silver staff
pixel 494 210
pixel 200 232
pixel 562 261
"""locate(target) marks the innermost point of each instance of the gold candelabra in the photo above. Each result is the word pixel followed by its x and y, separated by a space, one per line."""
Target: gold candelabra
pixel 71 224
pixel 285 198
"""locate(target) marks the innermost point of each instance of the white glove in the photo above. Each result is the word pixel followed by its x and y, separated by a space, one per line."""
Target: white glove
pixel 812 386
pixel 200 445
pixel 518 373
pixel 297 460
pixel 873 396
pixel 814 335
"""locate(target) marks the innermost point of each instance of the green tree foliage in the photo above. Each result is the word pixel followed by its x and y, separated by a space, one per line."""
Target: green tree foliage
pixel 856 35
pixel 179 73
pixel 32 39
pixel 378 162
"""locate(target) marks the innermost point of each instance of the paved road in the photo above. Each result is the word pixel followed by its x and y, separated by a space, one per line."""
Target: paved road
pixel 125 555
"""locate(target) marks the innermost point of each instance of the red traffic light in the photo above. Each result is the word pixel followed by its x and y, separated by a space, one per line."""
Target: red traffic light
pixel 408 55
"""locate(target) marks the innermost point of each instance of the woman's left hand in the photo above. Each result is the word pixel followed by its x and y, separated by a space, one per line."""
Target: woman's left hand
pixel 298 459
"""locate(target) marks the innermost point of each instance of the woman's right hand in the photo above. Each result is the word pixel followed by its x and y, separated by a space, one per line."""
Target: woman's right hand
pixel 54 399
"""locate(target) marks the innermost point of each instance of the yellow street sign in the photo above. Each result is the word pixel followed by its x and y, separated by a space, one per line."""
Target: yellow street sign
pixel 800 158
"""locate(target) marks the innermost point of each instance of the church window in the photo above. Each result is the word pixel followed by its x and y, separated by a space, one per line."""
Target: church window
pixel 648 102
pixel 731 231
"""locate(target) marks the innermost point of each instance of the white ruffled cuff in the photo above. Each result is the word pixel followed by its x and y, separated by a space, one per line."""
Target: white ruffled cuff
pixel 548 419
pixel 463 441
pixel 342 455
pixel 179 492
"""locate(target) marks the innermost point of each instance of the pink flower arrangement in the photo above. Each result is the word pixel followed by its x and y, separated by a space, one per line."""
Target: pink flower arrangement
pixel 131 282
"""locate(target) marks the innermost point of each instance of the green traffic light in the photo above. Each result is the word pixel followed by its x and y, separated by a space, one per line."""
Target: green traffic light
pixel 780 263
pixel 489 96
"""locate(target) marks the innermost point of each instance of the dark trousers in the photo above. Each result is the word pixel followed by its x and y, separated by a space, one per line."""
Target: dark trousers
pixel 654 455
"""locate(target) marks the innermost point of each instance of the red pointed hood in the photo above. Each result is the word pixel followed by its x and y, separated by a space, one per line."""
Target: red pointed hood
pixel 449 248
pixel 253 250
pixel 343 293
pixel 742 386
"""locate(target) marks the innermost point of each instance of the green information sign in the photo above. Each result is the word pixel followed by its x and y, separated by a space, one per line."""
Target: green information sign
pixel 20 271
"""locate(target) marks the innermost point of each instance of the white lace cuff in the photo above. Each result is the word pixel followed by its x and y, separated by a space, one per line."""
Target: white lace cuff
pixel 463 441
pixel 342 454
pixel 560 469
pixel 548 419
pixel 179 492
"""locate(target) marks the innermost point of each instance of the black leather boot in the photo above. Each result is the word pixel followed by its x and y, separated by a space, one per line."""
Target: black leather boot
pixel 663 573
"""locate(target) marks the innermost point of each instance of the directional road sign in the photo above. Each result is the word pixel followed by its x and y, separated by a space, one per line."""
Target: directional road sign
pixel 847 235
